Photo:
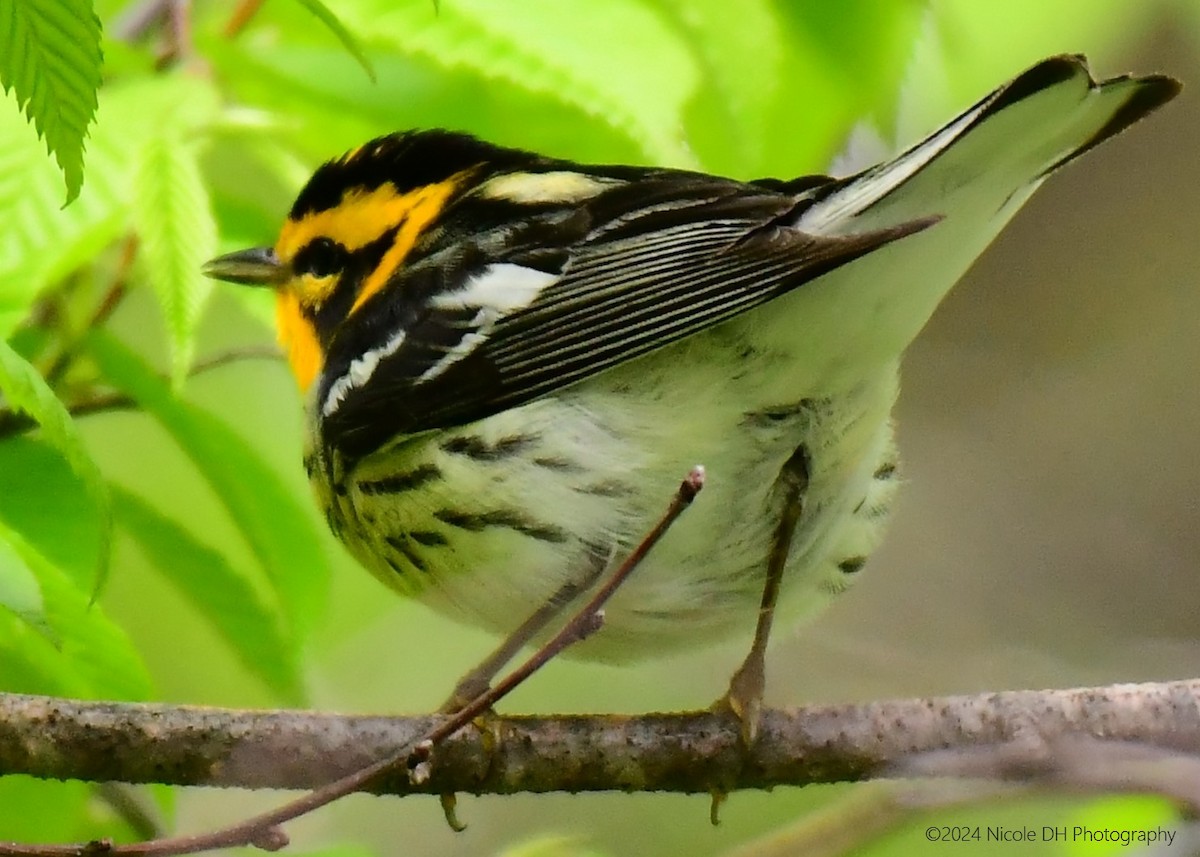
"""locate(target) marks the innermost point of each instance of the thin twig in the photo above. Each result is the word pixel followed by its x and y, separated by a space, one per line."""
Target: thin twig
pixel 242 15
pixel 117 289
pixel 235 355
pixel 177 43
pixel 1083 763
pixel 586 621
pixel 16 422
pixel 136 19
pixel 134 808
pixel 990 775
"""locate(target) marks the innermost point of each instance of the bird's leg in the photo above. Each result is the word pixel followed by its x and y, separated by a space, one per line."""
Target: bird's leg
pixel 584 622
pixel 479 679
pixel 744 697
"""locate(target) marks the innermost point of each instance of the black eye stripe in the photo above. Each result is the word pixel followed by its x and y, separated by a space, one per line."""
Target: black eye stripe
pixel 321 257
pixel 353 268
pixel 368 257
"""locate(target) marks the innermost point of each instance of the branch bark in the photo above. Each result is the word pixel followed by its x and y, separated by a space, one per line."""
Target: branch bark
pixel 689 752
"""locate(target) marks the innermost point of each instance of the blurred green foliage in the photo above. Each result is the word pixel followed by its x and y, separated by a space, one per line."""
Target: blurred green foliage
pixel 198 145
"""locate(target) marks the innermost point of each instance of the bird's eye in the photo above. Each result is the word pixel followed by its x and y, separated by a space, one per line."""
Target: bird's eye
pixel 321 257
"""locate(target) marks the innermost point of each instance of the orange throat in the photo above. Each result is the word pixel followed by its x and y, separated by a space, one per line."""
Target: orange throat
pixel 299 338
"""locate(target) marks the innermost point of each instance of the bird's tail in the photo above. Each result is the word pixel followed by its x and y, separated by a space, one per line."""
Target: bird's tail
pixel 972 176
pixel 1007 142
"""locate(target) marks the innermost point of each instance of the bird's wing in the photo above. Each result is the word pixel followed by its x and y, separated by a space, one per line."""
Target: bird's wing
pixel 506 332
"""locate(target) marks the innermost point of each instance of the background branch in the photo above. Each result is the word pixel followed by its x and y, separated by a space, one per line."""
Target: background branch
pixel 690 752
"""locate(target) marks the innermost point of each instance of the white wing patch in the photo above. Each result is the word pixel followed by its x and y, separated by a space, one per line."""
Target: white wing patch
pixel 495 292
pixel 359 372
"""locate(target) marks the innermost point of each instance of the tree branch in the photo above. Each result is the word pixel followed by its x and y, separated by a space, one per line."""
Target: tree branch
pixel 690 752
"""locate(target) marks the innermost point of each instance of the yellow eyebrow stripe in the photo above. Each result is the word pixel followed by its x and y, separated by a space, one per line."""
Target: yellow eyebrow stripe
pixel 423 205
pixel 358 219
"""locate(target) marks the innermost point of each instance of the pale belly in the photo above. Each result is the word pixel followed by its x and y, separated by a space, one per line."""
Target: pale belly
pixel 487 521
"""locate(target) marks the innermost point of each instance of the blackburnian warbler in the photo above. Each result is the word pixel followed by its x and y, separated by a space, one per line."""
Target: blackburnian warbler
pixel 509 359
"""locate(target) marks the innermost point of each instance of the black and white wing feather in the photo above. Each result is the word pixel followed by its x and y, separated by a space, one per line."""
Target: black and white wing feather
pixel 506 332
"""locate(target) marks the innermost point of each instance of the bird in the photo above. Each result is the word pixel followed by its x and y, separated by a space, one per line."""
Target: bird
pixel 508 359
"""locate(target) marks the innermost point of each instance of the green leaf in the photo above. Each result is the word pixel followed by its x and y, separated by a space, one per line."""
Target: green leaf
pixel 41 239
pixel 46 502
pixel 41 810
pixel 25 391
pixel 740 48
pixel 878 34
pixel 278 529
pixel 330 113
pixel 348 39
pixel 639 83
pixel 19 590
pixel 94 658
pixel 825 93
pixel 42 242
pixel 966 49
pixel 50 59
pixel 220 592
pixel 986 44
pixel 174 220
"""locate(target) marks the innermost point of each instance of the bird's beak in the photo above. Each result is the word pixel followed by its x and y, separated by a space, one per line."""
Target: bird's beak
pixel 258 266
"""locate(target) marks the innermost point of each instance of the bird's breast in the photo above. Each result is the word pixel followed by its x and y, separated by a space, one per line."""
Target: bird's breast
pixel 487 521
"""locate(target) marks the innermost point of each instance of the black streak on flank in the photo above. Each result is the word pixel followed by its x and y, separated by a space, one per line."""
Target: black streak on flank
pixel 400 482
pixel 607 488
pixel 477 448
pixel 401 544
pixel 562 465
pixel 428 538
pixel 775 415
pixel 852 565
pixel 885 472
pixel 877 512
pixel 505 518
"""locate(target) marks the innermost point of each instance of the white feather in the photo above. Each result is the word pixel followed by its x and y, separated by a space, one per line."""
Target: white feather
pixel 496 291
pixel 499 289
pixel 359 372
